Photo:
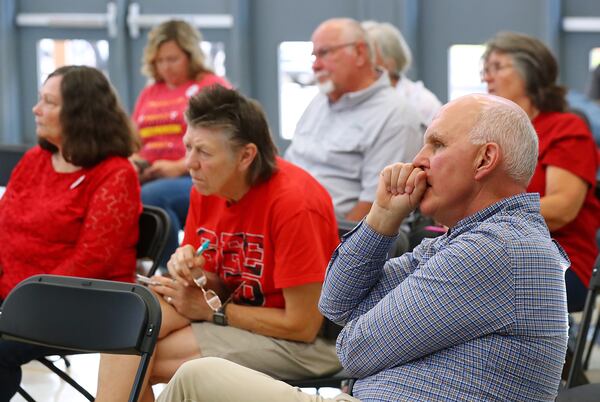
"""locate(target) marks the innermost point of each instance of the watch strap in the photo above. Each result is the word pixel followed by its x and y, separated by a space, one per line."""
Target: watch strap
pixel 219 316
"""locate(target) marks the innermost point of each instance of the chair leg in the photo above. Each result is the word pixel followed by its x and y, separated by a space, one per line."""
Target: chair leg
pixel 586 362
pixel 579 377
pixel 67 362
pixel 66 378
pixel 25 395
pixel 347 385
pixel 64 358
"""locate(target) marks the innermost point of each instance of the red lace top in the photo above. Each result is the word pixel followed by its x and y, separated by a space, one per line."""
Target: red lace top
pixel 83 223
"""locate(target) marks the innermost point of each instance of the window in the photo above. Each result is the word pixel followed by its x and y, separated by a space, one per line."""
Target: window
pixel 594 58
pixel 464 66
pixel 215 56
pixel 54 53
pixel 296 84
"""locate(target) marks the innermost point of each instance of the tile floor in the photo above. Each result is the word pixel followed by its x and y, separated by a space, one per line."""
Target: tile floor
pixel 44 386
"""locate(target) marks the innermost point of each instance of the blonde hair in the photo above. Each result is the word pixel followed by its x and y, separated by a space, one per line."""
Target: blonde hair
pixel 187 38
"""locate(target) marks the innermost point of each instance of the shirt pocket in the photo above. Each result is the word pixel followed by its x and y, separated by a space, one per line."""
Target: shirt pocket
pixel 344 150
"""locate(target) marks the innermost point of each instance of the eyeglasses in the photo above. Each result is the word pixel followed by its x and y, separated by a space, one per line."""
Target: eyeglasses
pixel 212 299
pixel 493 69
pixel 325 51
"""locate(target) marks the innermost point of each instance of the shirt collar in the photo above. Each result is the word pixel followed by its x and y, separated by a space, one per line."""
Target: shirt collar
pixel 352 99
pixel 529 202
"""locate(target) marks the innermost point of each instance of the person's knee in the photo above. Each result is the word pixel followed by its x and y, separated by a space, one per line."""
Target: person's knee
pixel 201 371
pixel 152 193
pixel 171 320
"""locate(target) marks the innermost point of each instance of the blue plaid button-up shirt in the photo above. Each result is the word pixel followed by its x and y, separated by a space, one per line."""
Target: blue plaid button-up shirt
pixel 478 314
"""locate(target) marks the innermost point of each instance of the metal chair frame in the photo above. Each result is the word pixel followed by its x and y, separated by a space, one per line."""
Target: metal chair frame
pixel 588 392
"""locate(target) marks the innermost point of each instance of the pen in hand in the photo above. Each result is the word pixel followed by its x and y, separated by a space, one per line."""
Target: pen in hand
pixel 203 247
pixel 201 280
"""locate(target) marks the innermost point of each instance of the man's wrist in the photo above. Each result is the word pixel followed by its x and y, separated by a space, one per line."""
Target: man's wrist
pixel 384 221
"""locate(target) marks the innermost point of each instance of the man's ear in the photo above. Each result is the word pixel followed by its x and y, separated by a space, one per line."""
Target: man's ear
pixel 487 160
pixel 362 53
pixel 247 155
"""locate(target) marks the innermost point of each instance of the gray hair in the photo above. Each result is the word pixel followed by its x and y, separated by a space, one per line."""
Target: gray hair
pixel 354 32
pixel 503 122
pixel 389 41
pixel 536 64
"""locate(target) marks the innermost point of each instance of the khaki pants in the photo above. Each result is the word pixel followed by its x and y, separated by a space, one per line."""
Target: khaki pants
pixel 276 357
pixel 212 379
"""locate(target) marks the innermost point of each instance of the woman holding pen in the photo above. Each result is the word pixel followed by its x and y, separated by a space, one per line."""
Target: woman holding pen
pixel 246 282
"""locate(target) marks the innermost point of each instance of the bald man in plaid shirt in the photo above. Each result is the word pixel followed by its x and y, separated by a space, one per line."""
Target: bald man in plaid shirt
pixel 478 314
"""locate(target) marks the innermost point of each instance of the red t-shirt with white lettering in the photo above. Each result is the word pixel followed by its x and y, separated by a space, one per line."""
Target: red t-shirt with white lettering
pixel 281 234
pixel 159 117
pixel 566 142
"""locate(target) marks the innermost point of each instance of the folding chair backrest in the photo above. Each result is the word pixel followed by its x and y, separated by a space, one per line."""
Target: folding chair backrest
pixel 586 319
pixel 10 155
pixel 86 315
pixel 344 226
pixel 154 228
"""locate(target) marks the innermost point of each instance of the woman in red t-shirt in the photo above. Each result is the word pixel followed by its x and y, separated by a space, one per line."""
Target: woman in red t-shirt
pixel 72 204
pixel 522 69
pixel 174 64
pixel 259 234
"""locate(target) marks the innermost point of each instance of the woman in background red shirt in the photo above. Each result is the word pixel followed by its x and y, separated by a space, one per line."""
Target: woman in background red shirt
pixel 522 69
pixel 174 63
pixel 72 203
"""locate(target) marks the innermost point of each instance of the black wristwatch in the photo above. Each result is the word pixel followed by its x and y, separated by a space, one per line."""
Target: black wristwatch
pixel 219 317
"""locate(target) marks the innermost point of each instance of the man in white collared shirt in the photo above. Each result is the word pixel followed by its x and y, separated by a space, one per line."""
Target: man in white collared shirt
pixel 357 124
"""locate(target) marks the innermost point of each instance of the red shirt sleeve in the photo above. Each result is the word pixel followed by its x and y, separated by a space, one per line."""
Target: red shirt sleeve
pixel 304 245
pixel 304 237
pixel 566 142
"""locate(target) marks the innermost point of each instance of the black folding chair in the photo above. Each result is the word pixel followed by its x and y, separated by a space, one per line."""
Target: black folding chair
pixel 588 355
pixel 10 155
pixel 340 380
pixel 154 226
pixel 84 315
pixel 588 392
